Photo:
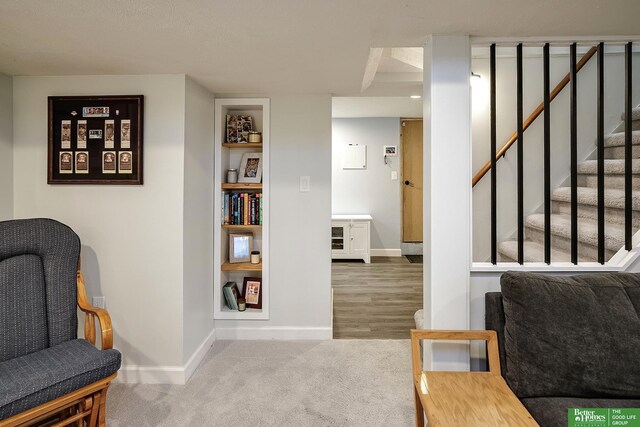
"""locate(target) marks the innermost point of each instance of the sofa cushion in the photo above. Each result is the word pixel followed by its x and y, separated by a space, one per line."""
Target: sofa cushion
pixel 28 381
pixel 552 411
pixel 494 321
pixel 572 336
pixel 23 307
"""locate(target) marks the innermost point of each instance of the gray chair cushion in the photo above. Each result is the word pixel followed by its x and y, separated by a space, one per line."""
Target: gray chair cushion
pixel 58 249
pixel 29 381
pixel 23 306
pixel 552 411
pixel 572 336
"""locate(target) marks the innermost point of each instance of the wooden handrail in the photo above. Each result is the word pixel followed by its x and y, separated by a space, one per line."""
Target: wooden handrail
pixel 514 137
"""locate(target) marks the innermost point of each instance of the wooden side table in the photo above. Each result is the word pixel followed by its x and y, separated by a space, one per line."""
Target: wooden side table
pixel 459 399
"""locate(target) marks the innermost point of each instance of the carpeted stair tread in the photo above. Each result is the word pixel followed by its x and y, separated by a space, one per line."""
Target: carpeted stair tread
pixel 613 198
pixel 533 252
pixel 611 167
pixel 635 114
pixel 617 139
pixel 587 230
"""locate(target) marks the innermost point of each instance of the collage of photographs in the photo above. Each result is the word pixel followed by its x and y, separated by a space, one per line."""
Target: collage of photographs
pixel 238 128
pixel 112 161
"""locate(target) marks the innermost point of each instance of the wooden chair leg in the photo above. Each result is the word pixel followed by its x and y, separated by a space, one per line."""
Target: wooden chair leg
pixel 95 409
pixel 419 409
pixel 102 417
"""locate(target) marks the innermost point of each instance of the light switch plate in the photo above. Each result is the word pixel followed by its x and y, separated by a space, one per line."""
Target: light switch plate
pixel 305 183
pixel 394 175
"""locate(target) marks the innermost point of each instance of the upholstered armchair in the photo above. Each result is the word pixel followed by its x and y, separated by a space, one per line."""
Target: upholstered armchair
pixel 46 372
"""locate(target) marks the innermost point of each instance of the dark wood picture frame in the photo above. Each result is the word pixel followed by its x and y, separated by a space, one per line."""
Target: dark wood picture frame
pixel 102 155
pixel 247 280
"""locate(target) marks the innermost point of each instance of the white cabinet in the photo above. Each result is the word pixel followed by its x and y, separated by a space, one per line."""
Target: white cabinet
pixel 350 237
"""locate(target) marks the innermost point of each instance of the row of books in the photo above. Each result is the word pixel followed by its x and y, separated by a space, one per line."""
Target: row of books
pixel 231 295
pixel 242 208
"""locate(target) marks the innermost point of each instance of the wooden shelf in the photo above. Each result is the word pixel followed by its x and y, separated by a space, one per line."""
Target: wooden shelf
pixel 242 227
pixel 242 266
pixel 243 145
pixel 241 186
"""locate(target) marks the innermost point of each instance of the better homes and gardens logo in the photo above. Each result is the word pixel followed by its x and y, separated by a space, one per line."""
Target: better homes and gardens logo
pixel 603 417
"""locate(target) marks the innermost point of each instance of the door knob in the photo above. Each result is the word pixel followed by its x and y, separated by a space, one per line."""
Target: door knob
pixel 409 183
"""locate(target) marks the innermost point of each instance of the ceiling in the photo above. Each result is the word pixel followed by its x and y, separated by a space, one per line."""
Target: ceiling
pixel 277 46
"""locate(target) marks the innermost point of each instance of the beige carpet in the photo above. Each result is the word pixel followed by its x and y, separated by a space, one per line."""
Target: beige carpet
pixel 279 383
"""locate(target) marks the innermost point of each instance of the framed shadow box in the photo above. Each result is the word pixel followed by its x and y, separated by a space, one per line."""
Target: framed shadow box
pixel 95 139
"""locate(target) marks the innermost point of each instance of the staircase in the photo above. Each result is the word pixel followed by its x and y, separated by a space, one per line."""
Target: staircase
pixel 587 209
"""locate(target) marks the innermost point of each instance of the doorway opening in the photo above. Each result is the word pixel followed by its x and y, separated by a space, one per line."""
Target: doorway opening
pixel 376 234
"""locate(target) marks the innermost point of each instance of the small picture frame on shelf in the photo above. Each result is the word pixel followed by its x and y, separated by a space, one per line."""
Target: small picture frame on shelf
pixel 250 171
pixel 252 292
pixel 238 128
pixel 240 247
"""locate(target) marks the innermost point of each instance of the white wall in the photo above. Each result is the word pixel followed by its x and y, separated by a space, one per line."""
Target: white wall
pixel 375 106
pixel 6 147
pixel 369 191
pixel 198 219
pixel 300 242
pixel 132 235
pixel 533 137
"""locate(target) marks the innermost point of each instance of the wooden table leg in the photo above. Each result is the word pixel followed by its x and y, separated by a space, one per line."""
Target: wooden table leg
pixel 419 409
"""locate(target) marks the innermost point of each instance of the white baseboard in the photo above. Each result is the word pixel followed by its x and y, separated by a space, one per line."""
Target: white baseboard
pixel 198 355
pixel 136 374
pixel 275 333
pixel 386 252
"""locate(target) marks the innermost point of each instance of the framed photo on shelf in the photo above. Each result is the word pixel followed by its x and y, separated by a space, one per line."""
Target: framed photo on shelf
pixel 250 171
pixel 95 139
pixel 238 128
pixel 252 292
pixel 240 247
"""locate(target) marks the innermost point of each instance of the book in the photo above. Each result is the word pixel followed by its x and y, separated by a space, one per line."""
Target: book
pixel 246 209
pixel 225 209
pixel 235 209
pixel 252 210
pixel 231 294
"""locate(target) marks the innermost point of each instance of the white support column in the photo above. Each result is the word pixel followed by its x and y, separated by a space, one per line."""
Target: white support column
pixel 447 194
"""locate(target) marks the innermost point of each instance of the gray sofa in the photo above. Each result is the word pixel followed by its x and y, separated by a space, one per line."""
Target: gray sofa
pixel 568 342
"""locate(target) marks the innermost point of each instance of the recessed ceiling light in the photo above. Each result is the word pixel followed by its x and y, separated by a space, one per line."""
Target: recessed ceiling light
pixel 416 96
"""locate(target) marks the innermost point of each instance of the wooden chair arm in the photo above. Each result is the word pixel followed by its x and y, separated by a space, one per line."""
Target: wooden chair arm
pixel 489 336
pixel 91 313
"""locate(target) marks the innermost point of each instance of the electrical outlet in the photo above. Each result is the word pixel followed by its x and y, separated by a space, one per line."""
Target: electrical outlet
pixel 98 302
pixel 305 183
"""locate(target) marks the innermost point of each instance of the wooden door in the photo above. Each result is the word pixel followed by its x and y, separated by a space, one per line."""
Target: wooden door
pixel 412 180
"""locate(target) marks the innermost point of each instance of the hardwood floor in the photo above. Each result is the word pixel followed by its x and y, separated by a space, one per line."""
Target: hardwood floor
pixel 377 300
